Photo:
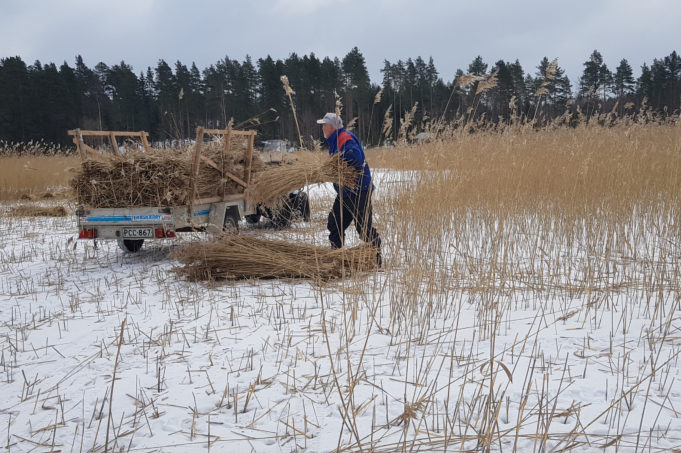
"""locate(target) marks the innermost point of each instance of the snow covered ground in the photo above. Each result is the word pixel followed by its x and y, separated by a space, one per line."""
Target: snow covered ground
pixel 445 348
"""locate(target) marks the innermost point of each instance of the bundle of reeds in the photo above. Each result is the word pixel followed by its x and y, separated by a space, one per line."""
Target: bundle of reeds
pixel 273 183
pixel 37 211
pixel 242 257
pixel 159 178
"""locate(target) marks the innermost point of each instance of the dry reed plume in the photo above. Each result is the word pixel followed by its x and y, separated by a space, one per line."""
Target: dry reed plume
pixel 271 184
pixel 241 257
pixel 33 148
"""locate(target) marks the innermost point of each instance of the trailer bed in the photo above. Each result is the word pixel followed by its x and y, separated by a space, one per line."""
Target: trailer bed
pixel 159 222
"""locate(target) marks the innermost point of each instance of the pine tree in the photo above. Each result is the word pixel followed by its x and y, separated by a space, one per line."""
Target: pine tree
pixel 167 97
pixel 432 80
pixel 72 106
pixel 47 118
pixel 92 96
pixel 389 98
pixel 624 79
pixel 357 88
pixel 410 80
pixel 122 87
pixel 644 85
pixel 143 104
pixel 477 66
pixel 596 78
pixel 245 81
pixel 504 92
pixel 14 87
pixel 270 94
pixel 672 65
pixel 184 99
pixel 520 89
pixel 660 83
pixel 555 85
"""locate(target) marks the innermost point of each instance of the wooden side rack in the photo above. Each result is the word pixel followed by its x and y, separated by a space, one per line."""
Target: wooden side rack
pixel 84 149
pixel 243 180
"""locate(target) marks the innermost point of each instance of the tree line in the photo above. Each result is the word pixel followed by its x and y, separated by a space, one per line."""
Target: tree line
pixel 42 101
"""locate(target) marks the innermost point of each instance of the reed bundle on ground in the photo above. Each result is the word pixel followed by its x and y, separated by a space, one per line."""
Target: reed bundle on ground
pixel 37 211
pixel 271 184
pixel 241 257
pixel 160 178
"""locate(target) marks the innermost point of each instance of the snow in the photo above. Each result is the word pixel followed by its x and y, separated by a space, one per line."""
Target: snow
pixel 405 353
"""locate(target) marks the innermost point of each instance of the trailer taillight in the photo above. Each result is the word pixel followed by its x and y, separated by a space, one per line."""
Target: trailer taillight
pixel 87 233
pixel 170 234
pixel 159 233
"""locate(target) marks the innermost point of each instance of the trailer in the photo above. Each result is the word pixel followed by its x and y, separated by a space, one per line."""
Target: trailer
pixel 131 227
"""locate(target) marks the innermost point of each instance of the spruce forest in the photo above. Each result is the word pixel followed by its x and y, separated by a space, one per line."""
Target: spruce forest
pixel 41 101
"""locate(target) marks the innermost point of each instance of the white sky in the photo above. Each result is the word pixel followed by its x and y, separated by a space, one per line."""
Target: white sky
pixel 452 32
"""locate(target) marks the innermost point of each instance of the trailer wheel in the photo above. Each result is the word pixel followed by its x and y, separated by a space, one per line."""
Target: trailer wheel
pixel 253 218
pixel 282 216
pixel 231 224
pixel 301 205
pixel 130 245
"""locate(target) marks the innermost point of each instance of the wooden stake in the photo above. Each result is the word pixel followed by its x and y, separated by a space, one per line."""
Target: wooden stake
pixel 145 142
pixel 80 144
pixel 195 163
pixel 247 172
pixel 114 143
pixel 227 149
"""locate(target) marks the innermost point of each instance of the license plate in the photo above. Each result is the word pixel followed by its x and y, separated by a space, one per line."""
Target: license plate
pixel 138 232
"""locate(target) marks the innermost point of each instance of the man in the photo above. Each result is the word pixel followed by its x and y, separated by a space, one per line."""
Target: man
pixel 351 204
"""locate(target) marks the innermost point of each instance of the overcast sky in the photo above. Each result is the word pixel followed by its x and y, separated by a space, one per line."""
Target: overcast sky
pixel 452 32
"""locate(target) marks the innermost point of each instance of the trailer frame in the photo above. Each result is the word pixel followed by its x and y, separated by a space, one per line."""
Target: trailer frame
pixel 132 226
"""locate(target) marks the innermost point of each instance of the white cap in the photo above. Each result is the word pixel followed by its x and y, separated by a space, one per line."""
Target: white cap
pixel 332 119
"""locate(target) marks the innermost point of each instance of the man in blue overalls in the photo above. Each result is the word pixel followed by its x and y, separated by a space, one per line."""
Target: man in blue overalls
pixel 351 204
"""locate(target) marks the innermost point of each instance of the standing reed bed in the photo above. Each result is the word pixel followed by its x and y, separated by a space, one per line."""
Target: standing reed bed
pixel 534 236
pixel 580 170
pixel 33 148
pixel 30 170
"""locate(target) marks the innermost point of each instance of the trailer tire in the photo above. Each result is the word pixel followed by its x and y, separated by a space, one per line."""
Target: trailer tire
pixel 282 216
pixel 130 245
pixel 231 224
pixel 253 218
pixel 301 205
